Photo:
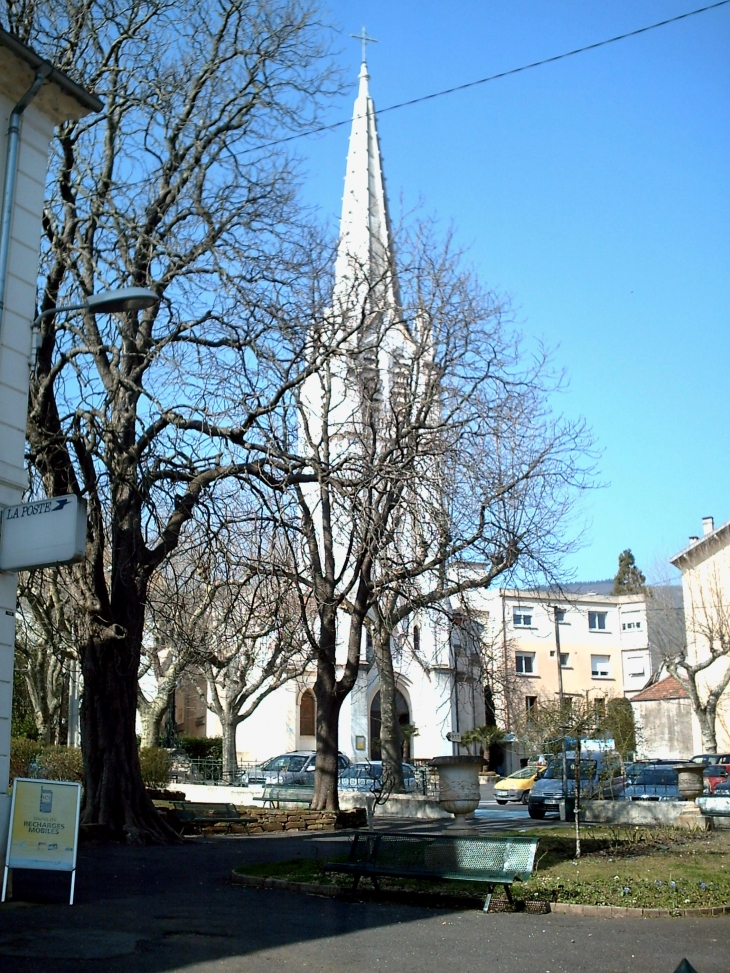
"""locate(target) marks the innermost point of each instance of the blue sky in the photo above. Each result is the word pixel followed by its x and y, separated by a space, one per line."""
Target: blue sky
pixel 594 193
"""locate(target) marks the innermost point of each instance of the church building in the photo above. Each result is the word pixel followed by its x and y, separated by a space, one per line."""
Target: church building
pixel 439 686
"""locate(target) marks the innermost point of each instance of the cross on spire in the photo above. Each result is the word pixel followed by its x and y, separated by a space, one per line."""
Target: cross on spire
pixel 364 40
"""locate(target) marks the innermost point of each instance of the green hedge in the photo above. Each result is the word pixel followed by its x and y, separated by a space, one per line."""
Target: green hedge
pixel 202 748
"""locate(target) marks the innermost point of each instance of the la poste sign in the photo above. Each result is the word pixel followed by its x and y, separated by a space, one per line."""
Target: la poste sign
pixel 42 533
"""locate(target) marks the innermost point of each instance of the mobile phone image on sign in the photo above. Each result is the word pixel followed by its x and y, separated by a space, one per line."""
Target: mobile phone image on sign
pixel 46 804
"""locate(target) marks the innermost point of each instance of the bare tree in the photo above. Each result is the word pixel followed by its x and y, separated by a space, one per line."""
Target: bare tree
pixel 45 644
pixel 694 645
pixel 430 440
pixel 173 187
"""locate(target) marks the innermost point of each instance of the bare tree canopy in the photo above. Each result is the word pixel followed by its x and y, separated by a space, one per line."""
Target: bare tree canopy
pixel 170 189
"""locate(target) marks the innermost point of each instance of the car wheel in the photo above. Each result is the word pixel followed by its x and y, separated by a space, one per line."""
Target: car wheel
pixel 536 812
pixel 525 797
pixel 500 800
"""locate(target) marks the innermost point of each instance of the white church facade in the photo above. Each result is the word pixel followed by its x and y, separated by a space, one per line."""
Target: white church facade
pixel 438 681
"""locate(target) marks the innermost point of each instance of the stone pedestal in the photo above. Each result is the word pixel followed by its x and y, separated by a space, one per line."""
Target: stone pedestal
pixel 458 786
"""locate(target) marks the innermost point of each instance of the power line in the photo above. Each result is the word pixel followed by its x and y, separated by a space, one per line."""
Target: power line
pixel 496 77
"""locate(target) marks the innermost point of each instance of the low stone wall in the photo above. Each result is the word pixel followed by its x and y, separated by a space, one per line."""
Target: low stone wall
pixel 675 814
pixel 267 820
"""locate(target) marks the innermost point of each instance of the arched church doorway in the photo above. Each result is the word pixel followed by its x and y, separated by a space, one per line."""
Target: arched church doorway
pixel 404 718
pixel 307 715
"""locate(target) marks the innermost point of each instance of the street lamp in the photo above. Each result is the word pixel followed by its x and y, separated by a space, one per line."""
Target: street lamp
pixel 107 302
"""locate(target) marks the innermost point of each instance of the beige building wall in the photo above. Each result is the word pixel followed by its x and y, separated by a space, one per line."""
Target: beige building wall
pixel 705 567
pixel 604 647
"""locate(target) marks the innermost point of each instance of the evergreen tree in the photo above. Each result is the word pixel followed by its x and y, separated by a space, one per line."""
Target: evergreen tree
pixel 629 579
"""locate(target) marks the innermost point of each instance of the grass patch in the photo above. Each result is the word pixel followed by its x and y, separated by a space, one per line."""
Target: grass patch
pixel 661 868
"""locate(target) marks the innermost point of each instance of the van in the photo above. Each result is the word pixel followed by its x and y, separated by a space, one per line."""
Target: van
pixel 601 775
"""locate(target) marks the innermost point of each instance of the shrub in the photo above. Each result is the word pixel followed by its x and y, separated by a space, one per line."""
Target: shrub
pixel 29 758
pixel 23 752
pixel 202 748
pixel 60 763
pixel 155 766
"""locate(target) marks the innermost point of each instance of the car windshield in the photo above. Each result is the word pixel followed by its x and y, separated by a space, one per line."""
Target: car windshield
pixel 555 769
pixel 656 776
pixel 715 770
pixel 296 763
pixel 523 773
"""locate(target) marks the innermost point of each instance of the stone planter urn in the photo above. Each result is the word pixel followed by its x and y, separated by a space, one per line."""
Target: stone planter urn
pixel 690 780
pixel 458 786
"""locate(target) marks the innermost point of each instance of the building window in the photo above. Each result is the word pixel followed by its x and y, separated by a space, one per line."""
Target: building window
pixel 600 666
pixel 522 617
pixel 597 621
pixel 416 638
pixel 525 663
pixel 630 625
pixel 599 708
pixel 531 707
pixel 307 712
pixel 636 665
pixel 564 660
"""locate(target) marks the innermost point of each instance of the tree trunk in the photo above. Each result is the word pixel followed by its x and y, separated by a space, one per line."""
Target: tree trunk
pixel 114 793
pixel 390 733
pixel 229 725
pixel 328 719
pixel 707 729
pixel 151 727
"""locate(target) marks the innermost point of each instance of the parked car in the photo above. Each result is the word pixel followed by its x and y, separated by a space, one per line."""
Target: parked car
pixel 713 775
pixel 635 768
pixel 723 788
pixel 296 767
pixel 711 758
pixel 516 787
pixel 601 775
pixel 655 783
pixel 367 776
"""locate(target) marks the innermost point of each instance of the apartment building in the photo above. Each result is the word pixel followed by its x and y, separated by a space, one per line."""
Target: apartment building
pixel 604 646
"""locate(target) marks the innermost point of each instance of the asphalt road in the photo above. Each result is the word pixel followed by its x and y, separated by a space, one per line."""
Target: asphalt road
pixel 173 910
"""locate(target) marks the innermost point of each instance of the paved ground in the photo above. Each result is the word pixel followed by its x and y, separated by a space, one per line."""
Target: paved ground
pixel 173 909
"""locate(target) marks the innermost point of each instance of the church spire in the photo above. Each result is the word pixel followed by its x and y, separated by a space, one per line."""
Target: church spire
pixel 364 252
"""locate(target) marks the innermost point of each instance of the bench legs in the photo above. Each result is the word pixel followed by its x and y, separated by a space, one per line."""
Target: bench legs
pixel 488 899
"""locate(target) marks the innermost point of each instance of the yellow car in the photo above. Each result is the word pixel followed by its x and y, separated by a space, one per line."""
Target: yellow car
pixel 516 787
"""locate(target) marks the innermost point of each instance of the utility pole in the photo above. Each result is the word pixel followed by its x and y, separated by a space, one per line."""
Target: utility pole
pixel 560 698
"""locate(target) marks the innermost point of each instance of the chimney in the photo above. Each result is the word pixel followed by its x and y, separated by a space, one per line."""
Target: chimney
pixel 693 538
pixel 708 525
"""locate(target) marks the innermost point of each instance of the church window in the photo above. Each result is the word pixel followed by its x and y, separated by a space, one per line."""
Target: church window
pixel 416 638
pixel 307 711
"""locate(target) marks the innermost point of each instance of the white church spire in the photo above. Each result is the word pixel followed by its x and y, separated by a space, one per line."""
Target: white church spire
pixel 364 252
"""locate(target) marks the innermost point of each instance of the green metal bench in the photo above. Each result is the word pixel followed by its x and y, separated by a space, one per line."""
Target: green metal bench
pixel 183 815
pixel 462 858
pixel 274 794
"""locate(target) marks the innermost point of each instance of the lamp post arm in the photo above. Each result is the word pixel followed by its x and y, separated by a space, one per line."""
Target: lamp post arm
pixel 58 310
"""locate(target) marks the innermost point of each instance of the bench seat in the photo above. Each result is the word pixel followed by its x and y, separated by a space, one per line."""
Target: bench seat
pixel 462 858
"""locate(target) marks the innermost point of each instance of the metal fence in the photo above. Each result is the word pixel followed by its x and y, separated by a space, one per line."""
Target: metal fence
pixel 192 770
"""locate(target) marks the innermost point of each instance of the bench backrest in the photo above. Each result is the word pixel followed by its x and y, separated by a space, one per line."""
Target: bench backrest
pixel 444 854
pixel 201 810
pixel 294 792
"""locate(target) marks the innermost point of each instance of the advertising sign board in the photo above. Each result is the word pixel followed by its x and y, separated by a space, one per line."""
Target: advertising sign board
pixel 44 827
pixel 42 533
